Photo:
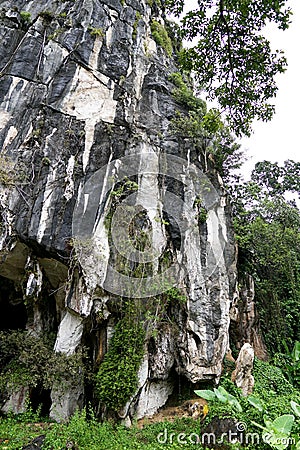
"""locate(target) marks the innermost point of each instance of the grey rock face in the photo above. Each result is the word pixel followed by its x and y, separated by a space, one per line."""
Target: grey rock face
pixel 86 107
pixel 244 327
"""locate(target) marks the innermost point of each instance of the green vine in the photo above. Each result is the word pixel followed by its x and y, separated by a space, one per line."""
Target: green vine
pixel 161 37
pixel 117 379
pixel 98 32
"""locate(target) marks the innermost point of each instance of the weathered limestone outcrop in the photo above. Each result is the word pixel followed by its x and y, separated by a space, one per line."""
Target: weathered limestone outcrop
pixel 86 107
pixel 244 327
pixel 242 375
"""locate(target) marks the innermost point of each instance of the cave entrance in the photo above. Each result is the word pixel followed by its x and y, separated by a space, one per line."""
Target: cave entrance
pixel 40 400
pixel 13 311
pixel 14 316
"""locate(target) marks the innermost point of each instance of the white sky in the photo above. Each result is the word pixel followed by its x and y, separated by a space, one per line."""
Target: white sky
pixel 278 139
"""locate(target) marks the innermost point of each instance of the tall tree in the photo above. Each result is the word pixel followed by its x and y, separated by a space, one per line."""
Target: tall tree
pixel 232 59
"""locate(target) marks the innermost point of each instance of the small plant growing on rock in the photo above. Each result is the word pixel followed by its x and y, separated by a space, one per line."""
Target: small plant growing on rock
pixel 138 17
pixel 97 32
pixel 9 175
pixel 47 16
pixel 161 37
pixel 26 17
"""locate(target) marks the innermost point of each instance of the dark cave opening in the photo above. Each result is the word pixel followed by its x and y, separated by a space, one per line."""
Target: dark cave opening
pixel 13 310
pixel 40 400
pixel 16 315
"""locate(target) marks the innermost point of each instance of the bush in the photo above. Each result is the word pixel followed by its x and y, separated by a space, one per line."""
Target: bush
pixel 117 378
pixel 161 37
pixel 26 360
pixel 184 94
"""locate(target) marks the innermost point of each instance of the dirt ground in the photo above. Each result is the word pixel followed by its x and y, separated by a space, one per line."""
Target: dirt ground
pixel 190 408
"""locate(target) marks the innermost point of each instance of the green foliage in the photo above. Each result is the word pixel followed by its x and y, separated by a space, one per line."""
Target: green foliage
pixel 174 295
pixel 26 17
pixel 152 2
pixel 277 432
pixel 220 144
pixel 161 37
pixel 17 431
pixel 78 433
pixel 98 32
pixel 267 230
pixel 87 434
pixel 270 380
pixel 232 60
pixel 289 362
pixel 184 94
pixel 48 16
pixel 220 395
pixel 257 403
pixel 12 174
pixel 273 400
pixel 117 379
pixel 120 191
pixel 296 408
pixel 174 32
pixel 26 360
pixel 124 188
pixel 205 128
pixel 138 17
pixel 202 211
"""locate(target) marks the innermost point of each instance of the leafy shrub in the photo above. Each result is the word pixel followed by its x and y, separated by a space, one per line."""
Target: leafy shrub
pixel 98 32
pixel 161 37
pixel 273 403
pixel 185 95
pixel 289 363
pixel 25 16
pixel 117 378
pixel 26 360
pixel 267 231
pixel 88 434
pixel 269 378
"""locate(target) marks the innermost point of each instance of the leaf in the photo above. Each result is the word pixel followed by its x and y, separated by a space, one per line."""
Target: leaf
pixel 268 423
pixel 296 408
pixel 283 424
pixel 276 440
pixel 220 396
pixel 296 351
pixel 236 404
pixel 223 392
pixel 256 402
pixel 207 394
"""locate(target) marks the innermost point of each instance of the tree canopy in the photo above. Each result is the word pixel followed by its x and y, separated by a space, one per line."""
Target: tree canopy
pixel 232 59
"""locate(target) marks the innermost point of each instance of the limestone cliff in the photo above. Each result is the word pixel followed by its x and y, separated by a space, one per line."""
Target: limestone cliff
pixel 88 156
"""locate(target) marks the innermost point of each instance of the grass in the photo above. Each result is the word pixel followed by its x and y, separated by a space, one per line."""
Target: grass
pixel 82 433
pixel 15 432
